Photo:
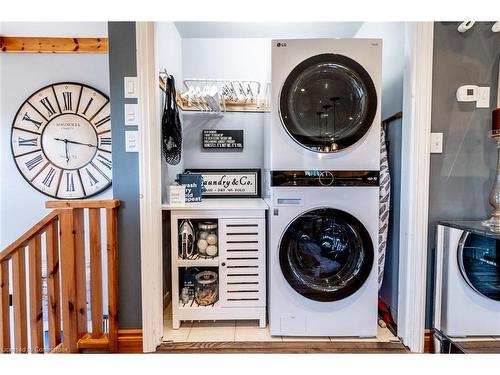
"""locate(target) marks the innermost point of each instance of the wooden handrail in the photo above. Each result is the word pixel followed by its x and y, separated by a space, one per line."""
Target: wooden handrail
pixel 109 203
pixel 56 245
pixel 23 240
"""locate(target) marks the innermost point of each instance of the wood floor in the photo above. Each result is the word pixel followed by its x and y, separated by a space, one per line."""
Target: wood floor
pixel 246 337
pixel 275 347
pixel 479 347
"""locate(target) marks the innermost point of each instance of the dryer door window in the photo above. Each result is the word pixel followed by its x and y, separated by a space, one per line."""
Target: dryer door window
pixel 479 263
pixel 326 254
pixel 328 103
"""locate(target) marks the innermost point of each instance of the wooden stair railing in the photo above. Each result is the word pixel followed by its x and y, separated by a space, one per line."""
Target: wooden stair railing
pixel 58 245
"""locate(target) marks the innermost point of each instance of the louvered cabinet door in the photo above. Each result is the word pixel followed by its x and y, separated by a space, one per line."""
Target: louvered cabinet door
pixel 242 263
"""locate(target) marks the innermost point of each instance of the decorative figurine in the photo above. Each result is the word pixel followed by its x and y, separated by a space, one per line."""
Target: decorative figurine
pixel 494 221
pixel 186 234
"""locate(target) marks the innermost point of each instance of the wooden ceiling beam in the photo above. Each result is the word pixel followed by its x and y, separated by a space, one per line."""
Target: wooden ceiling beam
pixel 15 44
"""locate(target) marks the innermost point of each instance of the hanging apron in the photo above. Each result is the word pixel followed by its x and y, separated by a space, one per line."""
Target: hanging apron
pixel 385 201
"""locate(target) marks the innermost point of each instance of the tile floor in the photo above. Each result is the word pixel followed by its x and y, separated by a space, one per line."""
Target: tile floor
pixel 245 330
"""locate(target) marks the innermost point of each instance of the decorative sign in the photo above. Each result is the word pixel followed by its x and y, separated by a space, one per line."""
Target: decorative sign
pixel 193 183
pixel 230 183
pixel 223 139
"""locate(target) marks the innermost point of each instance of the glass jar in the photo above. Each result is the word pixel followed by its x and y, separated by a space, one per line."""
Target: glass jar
pixel 207 288
pixel 207 239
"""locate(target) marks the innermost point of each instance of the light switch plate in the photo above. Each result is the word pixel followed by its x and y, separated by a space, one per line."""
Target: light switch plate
pixel 436 143
pixel 130 87
pixel 131 115
pixel 483 97
pixel 132 141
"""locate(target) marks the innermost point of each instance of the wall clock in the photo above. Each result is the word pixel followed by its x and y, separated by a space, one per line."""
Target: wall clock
pixel 61 140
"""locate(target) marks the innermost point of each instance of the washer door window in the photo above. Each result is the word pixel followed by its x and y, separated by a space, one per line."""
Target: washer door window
pixel 326 254
pixel 479 260
pixel 328 103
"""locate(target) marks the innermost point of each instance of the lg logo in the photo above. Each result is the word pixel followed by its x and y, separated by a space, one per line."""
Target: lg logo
pixel 279 44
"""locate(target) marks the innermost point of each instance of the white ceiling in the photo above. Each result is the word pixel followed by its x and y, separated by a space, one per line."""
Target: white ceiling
pixel 267 29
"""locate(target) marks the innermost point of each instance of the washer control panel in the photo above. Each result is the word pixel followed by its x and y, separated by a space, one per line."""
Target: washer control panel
pixel 324 178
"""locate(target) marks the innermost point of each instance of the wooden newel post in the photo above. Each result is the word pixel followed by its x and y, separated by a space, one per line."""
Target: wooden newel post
pixel 4 308
pixel 112 260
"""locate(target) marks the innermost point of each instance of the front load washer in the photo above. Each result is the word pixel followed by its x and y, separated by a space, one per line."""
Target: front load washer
pixel 323 229
pixel 325 104
pixel 467 284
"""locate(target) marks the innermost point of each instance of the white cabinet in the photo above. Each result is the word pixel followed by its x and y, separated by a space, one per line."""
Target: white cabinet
pixel 240 263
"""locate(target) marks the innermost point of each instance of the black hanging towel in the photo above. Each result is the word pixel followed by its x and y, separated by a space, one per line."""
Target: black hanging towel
pixel 171 125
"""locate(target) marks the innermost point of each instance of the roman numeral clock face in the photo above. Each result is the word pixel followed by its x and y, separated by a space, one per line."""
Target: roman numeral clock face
pixel 61 141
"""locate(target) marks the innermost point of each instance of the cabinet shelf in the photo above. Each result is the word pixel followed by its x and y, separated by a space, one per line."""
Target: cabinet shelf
pixel 200 262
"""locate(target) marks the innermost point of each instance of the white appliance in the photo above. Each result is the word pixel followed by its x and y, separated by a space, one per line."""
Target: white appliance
pixel 467 287
pixel 323 236
pixel 325 104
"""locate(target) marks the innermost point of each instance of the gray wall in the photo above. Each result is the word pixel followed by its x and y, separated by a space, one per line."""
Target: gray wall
pixel 461 177
pixel 122 63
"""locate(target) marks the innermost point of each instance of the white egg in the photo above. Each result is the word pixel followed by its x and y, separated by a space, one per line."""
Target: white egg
pixel 202 246
pixel 212 239
pixel 212 250
pixel 203 235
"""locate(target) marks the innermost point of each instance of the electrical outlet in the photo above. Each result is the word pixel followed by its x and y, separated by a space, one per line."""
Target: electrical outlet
pixel 436 143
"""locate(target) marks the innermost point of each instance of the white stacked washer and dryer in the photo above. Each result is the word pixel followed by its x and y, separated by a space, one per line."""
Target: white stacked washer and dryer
pixel 323 164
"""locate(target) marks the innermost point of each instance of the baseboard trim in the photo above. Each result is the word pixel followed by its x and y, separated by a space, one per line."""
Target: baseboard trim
pixel 429 341
pixel 130 341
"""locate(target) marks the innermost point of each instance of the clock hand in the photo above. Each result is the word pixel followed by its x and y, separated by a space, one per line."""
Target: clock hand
pixel 79 143
pixel 66 149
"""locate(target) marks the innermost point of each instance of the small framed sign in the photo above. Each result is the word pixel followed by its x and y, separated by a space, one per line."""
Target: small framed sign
pixel 230 183
pixel 223 139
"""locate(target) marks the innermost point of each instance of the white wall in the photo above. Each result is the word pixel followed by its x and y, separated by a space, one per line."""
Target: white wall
pixel 56 29
pixel 169 57
pixel 277 30
pixel 21 75
pixel 169 48
pixel 228 58
pixel 392 34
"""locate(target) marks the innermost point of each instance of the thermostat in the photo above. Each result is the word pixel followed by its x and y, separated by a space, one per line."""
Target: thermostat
pixel 473 93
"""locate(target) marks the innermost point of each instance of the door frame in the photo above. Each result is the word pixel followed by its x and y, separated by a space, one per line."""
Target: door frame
pixel 415 162
pixel 414 185
pixel 149 187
